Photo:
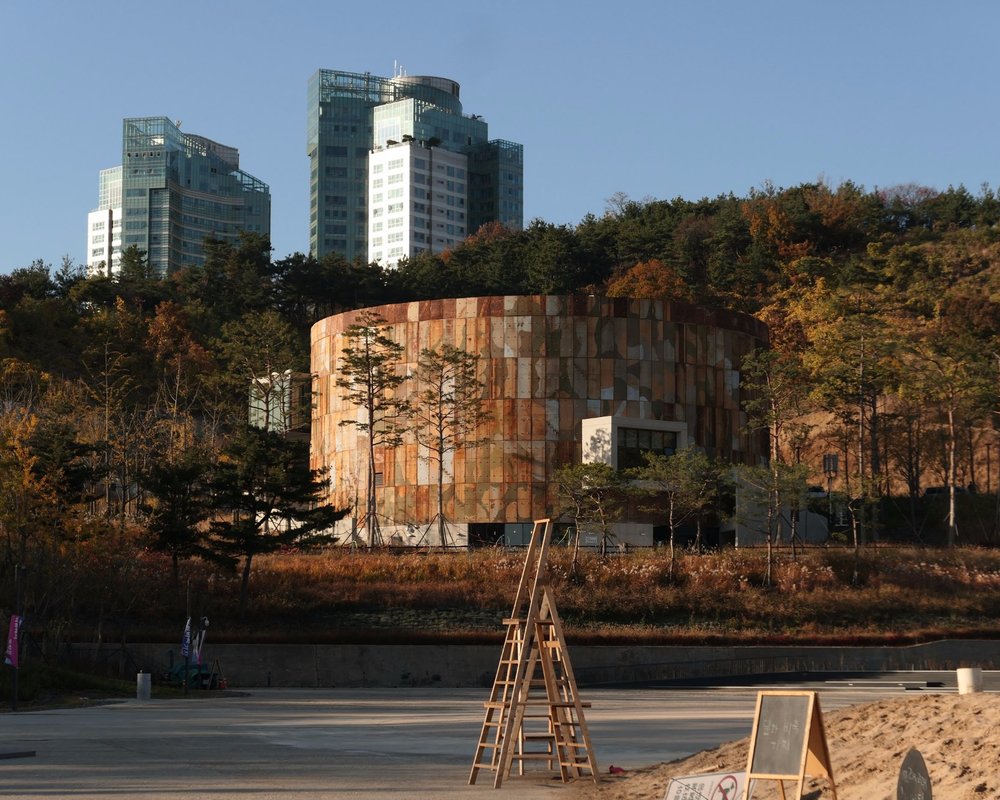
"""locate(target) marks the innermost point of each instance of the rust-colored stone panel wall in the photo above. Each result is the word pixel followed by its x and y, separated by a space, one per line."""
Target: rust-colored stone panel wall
pixel 546 363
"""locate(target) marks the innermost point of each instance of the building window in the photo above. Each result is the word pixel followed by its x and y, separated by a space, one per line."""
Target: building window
pixel 633 442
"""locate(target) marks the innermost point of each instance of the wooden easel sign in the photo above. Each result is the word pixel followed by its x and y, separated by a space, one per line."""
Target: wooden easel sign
pixel 788 742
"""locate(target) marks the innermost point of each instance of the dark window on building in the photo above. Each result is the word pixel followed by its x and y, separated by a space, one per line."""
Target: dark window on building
pixel 633 442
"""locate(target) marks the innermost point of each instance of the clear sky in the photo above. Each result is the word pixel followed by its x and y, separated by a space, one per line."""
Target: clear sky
pixel 652 98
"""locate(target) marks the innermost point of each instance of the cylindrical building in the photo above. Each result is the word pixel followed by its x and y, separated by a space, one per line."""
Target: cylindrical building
pixel 564 379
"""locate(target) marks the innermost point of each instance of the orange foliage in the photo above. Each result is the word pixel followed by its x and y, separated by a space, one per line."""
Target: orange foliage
pixel 769 222
pixel 651 280
pixel 488 232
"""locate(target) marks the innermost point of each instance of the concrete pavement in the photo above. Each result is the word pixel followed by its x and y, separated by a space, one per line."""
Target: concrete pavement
pixel 294 744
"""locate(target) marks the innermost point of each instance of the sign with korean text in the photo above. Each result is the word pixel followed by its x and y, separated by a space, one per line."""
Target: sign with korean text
pixel 914 783
pixel 713 786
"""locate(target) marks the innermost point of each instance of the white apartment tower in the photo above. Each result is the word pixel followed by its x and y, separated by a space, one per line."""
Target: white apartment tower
pixel 104 226
pixel 418 201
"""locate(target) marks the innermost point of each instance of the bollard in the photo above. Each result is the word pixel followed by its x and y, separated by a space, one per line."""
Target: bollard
pixel 970 680
pixel 143 686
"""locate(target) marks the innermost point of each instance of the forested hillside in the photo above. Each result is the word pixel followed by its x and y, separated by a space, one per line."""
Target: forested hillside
pixel 121 397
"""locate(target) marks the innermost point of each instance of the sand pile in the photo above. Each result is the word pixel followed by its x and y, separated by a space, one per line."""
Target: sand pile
pixel 958 736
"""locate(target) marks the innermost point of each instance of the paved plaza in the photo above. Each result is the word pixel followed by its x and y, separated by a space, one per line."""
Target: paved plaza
pixel 346 743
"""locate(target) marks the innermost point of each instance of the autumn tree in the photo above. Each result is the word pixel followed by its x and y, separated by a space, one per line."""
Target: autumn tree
pixel 650 279
pixel 448 411
pixel 181 365
pixel 850 364
pixel 368 378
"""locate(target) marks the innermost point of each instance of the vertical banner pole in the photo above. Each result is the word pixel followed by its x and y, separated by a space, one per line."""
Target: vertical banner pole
pixel 14 636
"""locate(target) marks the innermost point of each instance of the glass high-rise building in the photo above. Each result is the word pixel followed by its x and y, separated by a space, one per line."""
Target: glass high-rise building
pixel 172 191
pixel 397 168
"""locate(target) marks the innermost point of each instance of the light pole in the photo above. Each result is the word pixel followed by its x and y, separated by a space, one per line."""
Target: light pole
pixel 830 469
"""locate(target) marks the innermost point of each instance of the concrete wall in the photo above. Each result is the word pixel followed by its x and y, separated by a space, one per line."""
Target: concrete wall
pixel 245 665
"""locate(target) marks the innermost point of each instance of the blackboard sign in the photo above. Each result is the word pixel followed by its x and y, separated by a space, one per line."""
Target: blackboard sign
pixel 914 783
pixel 788 741
pixel 782 725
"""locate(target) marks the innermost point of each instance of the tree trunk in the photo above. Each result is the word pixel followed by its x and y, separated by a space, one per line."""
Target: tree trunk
pixel 952 526
pixel 670 521
pixel 440 492
pixel 245 583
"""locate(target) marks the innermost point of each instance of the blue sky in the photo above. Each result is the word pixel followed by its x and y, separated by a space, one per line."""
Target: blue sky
pixel 660 98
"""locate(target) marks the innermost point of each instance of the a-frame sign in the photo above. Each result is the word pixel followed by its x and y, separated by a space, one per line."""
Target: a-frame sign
pixel 788 741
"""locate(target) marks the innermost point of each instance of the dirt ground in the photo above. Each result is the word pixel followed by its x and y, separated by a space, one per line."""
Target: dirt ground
pixel 957 735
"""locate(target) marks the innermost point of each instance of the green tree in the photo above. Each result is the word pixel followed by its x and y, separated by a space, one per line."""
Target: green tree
pixel 687 482
pixel 448 411
pixel 955 376
pixel 260 351
pixel 776 390
pixel 368 379
pixel 761 487
pixel 593 494
pixel 265 498
pixel 179 508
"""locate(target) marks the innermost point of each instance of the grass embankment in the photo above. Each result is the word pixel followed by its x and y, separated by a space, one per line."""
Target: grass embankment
pixel 822 596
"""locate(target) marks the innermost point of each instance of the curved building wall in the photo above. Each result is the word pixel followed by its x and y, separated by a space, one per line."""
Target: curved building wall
pixel 547 364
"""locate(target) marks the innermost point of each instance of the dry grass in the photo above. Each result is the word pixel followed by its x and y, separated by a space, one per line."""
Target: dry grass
pixel 900 595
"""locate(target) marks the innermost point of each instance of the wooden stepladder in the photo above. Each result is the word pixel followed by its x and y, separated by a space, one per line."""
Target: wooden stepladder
pixel 534 712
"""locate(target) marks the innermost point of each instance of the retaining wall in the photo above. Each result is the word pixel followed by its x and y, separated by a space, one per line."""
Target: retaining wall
pixel 255 665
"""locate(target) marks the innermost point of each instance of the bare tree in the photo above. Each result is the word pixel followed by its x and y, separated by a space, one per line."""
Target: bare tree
pixel 448 411
pixel 594 495
pixel 368 377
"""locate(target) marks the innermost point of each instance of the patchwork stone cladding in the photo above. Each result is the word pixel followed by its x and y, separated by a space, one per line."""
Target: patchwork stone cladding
pixel 546 363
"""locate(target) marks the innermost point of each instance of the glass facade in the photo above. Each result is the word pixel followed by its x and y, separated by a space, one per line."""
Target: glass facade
pixel 178 189
pixel 352 114
pixel 496 187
